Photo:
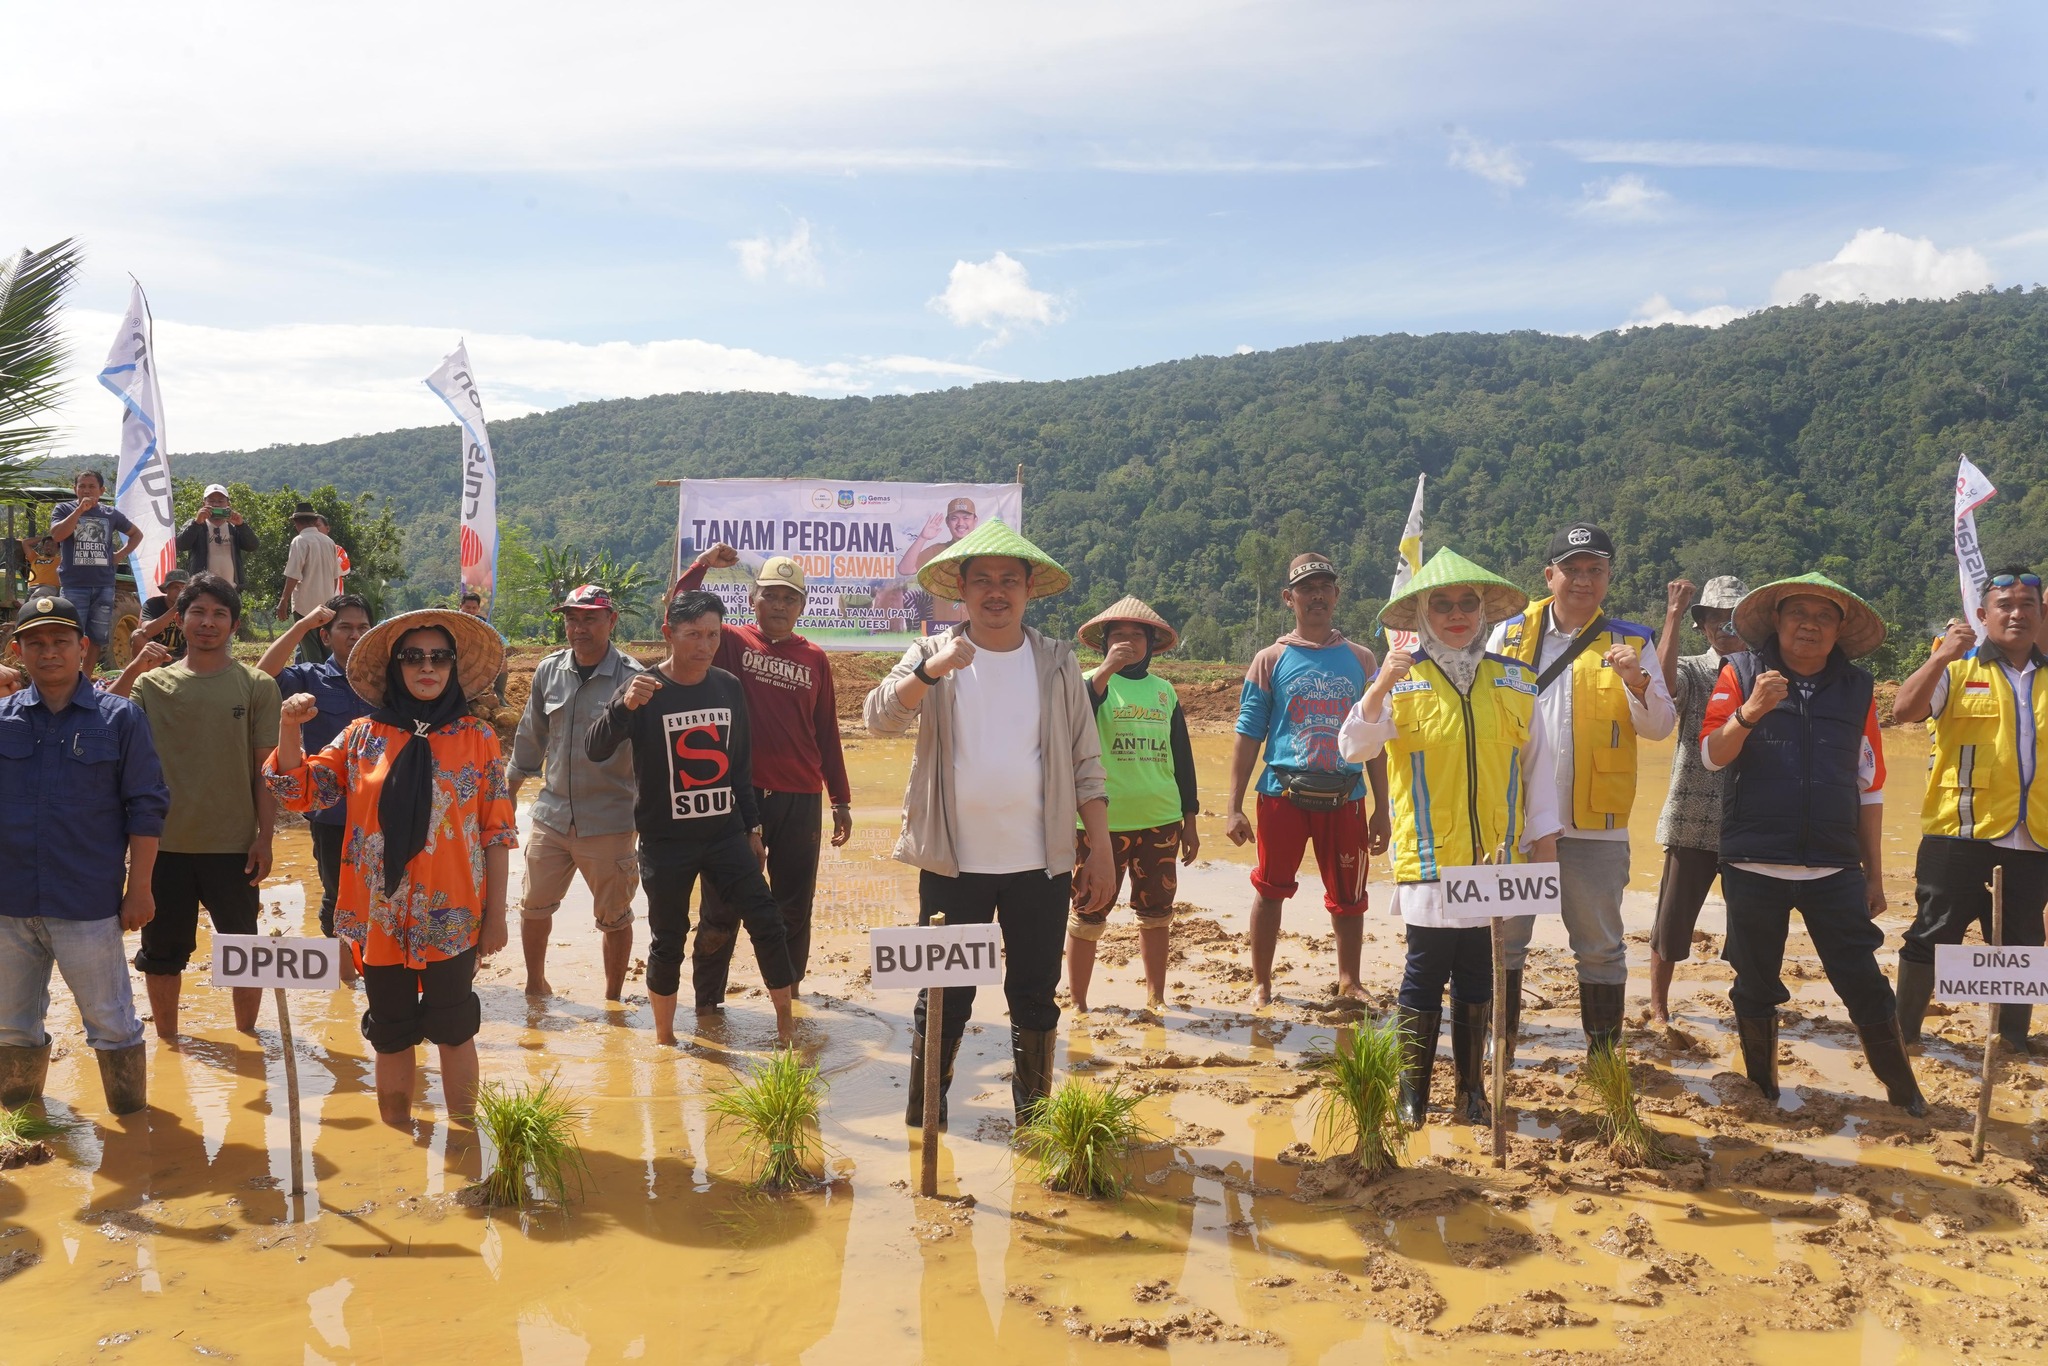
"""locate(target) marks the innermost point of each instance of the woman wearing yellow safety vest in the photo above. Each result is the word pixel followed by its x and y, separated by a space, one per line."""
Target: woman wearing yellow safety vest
pixel 1472 780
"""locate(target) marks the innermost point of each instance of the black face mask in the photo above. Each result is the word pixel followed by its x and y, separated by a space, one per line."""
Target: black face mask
pixel 405 808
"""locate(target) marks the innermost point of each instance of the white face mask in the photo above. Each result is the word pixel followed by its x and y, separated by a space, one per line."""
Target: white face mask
pixel 1460 666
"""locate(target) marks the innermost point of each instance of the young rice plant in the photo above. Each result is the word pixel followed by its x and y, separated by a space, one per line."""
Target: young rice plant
pixel 775 1108
pixel 533 1132
pixel 1621 1124
pixel 1358 1092
pixel 23 1129
pixel 1080 1138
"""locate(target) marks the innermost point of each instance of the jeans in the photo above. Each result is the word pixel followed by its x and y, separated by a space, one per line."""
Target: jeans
pixel 1954 894
pixel 1031 910
pixel 669 871
pixel 327 842
pixel 1461 956
pixel 90 955
pixel 1837 920
pixel 1591 875
pixel 792 828
pixel 95 609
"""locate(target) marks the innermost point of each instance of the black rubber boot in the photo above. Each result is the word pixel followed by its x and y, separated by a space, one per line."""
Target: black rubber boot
pixel 1514 1013
pixel 1600 1007
pixel 1418 1061
pixel 2014 1024
pixel 1468 1053
pixel 1886 1053
pixel 913 1112
pixel 21 1075
pixel 1915 990
pixel 1031 1068
pixel 124 1076
pixel 1759 1035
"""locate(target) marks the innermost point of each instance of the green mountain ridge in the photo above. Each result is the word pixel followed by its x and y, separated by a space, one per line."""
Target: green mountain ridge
pixel 1796 438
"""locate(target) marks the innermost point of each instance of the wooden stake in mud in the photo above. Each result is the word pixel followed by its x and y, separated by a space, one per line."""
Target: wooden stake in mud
pixel 291 1091
pixel 1990 1022
pixel 1500 1046
pixel 934 1046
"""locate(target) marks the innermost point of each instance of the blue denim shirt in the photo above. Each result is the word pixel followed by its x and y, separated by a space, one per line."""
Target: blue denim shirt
pixel 73 788
pixel 338 704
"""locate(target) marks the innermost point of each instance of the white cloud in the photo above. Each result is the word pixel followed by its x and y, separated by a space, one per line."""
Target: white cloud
pixel 995 294
pixel 1657 310
pixel 793 258
pixel 1754 155
pixel 1243 349
pixel 1878 265
pixel 1498 164
pixel 1626 198
pixel 231 389
pixel 1234 165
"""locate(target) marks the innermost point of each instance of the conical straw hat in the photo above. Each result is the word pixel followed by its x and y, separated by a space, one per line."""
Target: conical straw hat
pixel 479 653
pixel 1446 569
pixel 1756 616
pixel 941 574
pixel 1129 609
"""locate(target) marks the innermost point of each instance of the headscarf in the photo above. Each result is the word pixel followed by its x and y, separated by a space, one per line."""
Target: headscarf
pixel 405 808
pixel 1460 666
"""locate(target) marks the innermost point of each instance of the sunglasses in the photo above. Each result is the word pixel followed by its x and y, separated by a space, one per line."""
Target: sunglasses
pixel 416 656
pixel 2032 581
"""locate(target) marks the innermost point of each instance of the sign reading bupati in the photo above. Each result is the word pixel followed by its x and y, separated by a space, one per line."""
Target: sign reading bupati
pixel 910 956
pixel 2010 976
pixel 262 960
pixel 698 765
pixel 860 545
pixel 1490 891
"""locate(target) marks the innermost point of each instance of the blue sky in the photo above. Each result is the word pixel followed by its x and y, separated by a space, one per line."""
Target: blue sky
pixel 614 199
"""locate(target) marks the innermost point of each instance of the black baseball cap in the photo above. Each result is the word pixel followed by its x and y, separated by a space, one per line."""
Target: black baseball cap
pixel 47 609
pixel 1580 538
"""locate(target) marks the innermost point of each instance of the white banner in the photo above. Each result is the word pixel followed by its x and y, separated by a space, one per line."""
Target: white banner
pixel 1973 490
pixel 142 485
pixel 1492 891
pixel 860 545
pixel 262 960
pixel 908 956
pixel 1410 565
pixel 455 385
pixel 1973 972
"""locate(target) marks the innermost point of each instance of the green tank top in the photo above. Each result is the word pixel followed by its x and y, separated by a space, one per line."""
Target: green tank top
pixel 1135 722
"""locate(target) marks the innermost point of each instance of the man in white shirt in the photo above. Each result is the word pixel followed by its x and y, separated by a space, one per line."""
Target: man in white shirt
pixel 1596 699
pixel 312 574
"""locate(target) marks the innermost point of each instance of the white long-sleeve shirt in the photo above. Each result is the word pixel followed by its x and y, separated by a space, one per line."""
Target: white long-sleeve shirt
pixel 1422 903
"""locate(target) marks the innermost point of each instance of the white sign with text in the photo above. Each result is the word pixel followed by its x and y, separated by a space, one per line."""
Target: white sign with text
pixel 911 956
pixel 261 960
pixel 2011 976
pixel 1491 891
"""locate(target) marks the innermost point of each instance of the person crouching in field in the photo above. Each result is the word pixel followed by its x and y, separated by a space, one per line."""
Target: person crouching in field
pixel 430 832
pixel 1794 723
pixel 1150 765
pixel 1473 781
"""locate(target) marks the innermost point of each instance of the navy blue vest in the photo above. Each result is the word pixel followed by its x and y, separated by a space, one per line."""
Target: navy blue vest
pixel 1792 794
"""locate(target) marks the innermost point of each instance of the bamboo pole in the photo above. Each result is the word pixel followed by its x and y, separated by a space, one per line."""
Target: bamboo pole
pixel 291 1091
pixel 934 1081
pixel 1500 1046
pixel 1984 1082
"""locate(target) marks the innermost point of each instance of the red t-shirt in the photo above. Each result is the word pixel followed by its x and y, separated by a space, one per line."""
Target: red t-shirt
pixel 792 707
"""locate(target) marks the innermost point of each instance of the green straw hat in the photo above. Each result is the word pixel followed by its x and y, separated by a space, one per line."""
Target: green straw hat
pixel 1756 616
pixel 941 574
pixel 1446 569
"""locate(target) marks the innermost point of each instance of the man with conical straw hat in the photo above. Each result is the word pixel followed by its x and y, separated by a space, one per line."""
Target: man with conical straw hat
pixel 1007 758
pixel 1794 724
pixel 1153 803
pixel 1472 779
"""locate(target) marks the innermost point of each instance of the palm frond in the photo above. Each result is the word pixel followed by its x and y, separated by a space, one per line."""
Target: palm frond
pixel 32 352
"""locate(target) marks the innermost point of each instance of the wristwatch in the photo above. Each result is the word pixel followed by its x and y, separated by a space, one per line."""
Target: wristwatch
pixel 927 679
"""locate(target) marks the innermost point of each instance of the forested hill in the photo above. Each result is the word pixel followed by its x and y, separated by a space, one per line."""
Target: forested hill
pixel 1798 438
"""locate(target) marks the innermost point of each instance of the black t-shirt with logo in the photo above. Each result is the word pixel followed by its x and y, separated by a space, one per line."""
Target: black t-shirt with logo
pixel 692 754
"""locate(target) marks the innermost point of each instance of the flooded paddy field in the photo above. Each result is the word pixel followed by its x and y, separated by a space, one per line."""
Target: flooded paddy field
pixel 1827 1228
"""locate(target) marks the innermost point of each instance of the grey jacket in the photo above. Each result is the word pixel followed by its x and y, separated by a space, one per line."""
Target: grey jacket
pixel 576 795
pixel 1067 738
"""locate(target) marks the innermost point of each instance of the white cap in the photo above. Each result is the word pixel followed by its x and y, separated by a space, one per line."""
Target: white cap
pixel 211 489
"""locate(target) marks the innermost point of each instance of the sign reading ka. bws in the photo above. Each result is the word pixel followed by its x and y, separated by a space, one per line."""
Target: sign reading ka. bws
pixel 259 960
pixel 1974 972
pixel 935 956
pixel 1489 891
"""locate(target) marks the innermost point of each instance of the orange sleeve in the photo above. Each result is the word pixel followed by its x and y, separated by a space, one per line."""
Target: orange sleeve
pixel 1721 703
pixel 317 783
pixel 1873 741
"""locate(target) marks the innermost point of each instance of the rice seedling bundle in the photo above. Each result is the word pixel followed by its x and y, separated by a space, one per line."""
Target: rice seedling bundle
pixel 1621 1124
pixel 1080 1138
pixel 532 1131
pixel 775 1108
pixel 1358 1093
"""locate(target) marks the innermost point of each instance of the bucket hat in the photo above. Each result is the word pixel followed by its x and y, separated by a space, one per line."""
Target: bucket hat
pixel 1756 615
pixel 479 654
pixel 1722 593
pixel 941 574
pixel 1129 609
pixel 1447 569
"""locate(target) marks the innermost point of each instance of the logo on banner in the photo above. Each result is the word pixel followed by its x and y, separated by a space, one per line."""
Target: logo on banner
pixel 822 499
pixel 698 765
pixel 846 498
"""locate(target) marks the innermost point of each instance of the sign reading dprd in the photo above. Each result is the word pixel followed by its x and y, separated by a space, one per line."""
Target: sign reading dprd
pixel 261 960
pixel 912 956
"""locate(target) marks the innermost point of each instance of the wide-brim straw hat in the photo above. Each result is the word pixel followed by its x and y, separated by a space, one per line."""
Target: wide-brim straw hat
pixel 479 653
pixel 1448 569
pixel 1129 609
pixel 941 574
pixel 1756 616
